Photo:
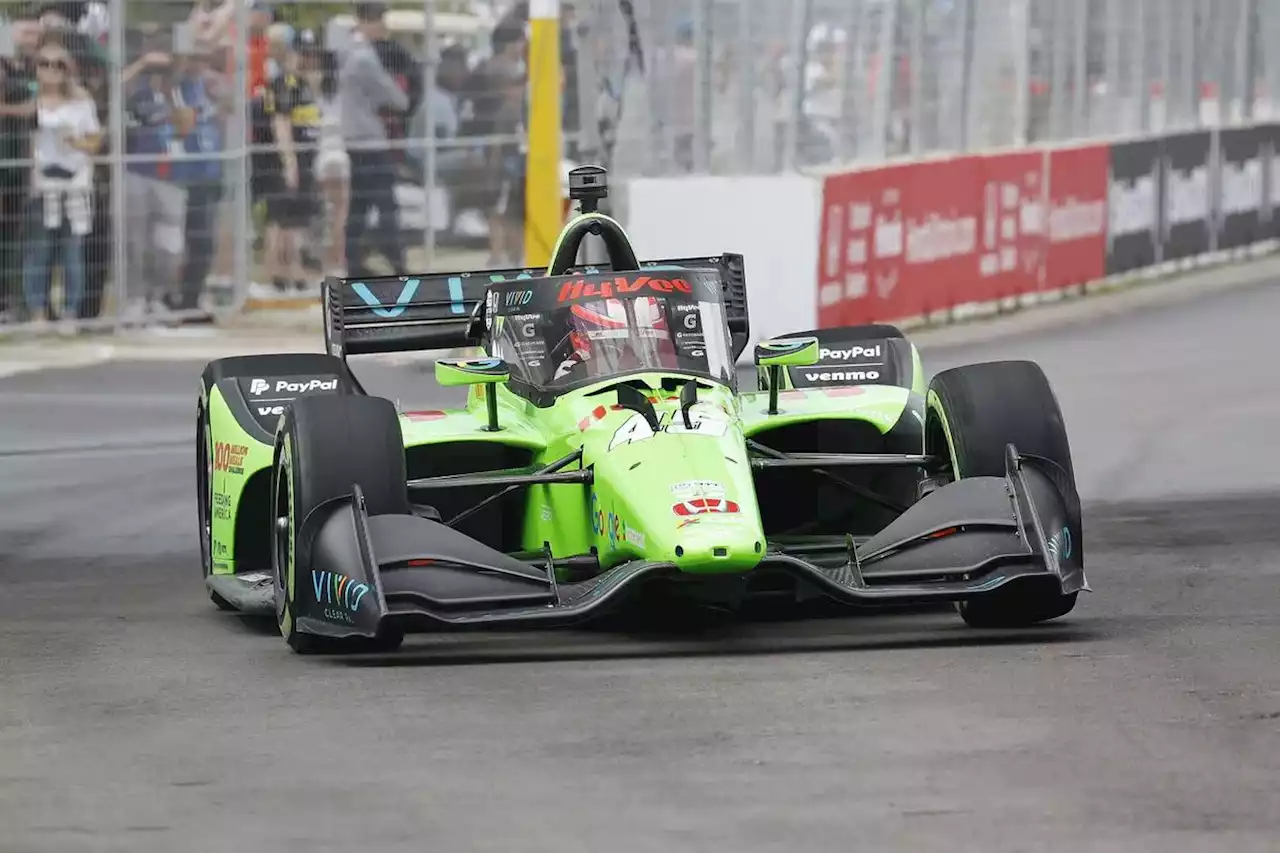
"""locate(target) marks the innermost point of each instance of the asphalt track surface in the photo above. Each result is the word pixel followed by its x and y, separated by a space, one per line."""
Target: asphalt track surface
pixel 134 717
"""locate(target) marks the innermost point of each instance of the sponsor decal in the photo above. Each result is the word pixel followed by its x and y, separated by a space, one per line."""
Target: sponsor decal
pixel 265 411
pixel 425 415
pixel 338 595
pixel 220 548
pixel 229 457
pixel 855 353
pixel 597 515
pixel 693 519
pixel 221 506
pixel 706 506
pixel 635 537
pixel 842 376
pixel 547 515
pixel 1060 545
pixel 407 291
pixel 698 487
pixel 571 291
pixel 258 387
pixel 711 422
pixel 517 298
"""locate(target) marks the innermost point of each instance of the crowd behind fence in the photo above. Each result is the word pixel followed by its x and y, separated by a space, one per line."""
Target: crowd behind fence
pixel 168 161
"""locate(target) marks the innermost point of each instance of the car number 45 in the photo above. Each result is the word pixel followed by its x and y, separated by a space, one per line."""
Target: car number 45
pixel 701 422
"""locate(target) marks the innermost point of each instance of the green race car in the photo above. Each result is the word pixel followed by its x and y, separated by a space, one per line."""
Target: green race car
pixel 606 455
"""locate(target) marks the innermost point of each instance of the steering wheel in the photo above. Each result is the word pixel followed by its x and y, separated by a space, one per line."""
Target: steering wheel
pixel 622 258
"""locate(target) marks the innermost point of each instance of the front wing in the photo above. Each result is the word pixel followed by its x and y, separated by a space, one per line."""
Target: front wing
pixel 966 539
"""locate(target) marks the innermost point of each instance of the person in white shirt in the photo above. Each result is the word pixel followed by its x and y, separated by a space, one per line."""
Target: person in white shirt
pixel 66 137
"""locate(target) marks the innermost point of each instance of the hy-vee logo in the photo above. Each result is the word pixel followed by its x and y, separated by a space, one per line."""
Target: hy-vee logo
pixel 258 387
pixel 844 356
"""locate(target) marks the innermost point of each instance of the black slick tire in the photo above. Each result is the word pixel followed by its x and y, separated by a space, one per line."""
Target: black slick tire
pixel 325 445
pixel 974 413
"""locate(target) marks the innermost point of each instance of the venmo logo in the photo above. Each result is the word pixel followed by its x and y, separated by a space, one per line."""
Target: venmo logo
pixel 843 376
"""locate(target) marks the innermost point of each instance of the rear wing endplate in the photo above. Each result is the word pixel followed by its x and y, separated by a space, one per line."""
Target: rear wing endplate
pixel 434 312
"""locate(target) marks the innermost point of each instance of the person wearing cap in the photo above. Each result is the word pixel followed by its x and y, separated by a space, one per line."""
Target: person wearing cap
pixel 365 90
pixel 292 108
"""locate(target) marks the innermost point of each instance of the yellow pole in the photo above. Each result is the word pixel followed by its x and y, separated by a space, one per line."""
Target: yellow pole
pixel 543 219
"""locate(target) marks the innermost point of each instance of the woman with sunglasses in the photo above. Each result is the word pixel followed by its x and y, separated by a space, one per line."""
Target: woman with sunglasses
pixel 66 137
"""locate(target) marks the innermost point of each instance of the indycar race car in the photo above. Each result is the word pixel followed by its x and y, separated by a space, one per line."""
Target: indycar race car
pixel 606 452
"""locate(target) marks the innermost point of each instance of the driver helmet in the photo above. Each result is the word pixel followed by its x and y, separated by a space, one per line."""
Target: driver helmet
pixel 600 328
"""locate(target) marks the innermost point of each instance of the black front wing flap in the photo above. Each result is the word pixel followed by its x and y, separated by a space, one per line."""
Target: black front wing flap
pixel 364 574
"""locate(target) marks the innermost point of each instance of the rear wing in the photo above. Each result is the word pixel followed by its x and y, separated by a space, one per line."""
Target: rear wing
pixel 434 312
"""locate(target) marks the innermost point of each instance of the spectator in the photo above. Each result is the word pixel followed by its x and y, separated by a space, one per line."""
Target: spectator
pixel 292 109
pixel 333 165
pixel 67 135
pixel 17 121
pixel 67 19
pixel 365 90
pixel 200 89
pixel 499 100
pixel 157 205
pixel 441 118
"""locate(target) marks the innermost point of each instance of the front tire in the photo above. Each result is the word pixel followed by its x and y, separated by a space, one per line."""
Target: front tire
pixel 325 445
pixel 974 413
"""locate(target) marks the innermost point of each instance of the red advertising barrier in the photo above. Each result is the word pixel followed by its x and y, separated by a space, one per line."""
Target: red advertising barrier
pixel 1077 246
pixel 910 239
pixel 1012 258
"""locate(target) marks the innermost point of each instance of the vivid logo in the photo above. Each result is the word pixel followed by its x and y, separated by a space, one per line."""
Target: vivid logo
pixel 337 590
pixel 705 506
pixel 408 290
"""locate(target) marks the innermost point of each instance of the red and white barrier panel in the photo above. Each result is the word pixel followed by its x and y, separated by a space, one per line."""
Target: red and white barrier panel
pixel 911 239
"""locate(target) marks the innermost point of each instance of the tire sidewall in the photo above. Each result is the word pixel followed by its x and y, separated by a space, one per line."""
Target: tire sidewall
pixel 204 489
pixel 284 577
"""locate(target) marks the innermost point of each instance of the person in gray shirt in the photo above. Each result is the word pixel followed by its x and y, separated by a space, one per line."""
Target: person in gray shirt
pixel 365 92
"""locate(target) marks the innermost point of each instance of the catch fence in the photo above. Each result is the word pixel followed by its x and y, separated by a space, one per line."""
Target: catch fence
pixel 187 218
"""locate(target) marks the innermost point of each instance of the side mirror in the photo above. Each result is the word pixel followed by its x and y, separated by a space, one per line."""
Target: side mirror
pixel 784 352
pixel 455 372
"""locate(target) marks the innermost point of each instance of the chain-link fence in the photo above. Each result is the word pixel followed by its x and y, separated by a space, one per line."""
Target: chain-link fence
pixel 171 161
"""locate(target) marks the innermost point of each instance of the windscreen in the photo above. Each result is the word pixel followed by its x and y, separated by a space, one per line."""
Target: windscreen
pixel 564 332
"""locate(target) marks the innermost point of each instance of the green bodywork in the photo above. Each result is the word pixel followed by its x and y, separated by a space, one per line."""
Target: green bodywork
pixel 641 476
pixel 232 470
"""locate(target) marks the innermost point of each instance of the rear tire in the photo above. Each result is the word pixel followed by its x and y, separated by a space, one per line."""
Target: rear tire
pixel 974 413
pixel 327 444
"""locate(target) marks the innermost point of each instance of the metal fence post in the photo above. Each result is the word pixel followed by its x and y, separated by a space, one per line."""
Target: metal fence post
pixel 747 93
pixel 915 87
pixel 119 210
pixel 703 101
pixel 242 256
pixel 964 80
pixel 1021 70
pixel 885 73
pixel 801 22
pixel 1080 69
pixel 430 64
